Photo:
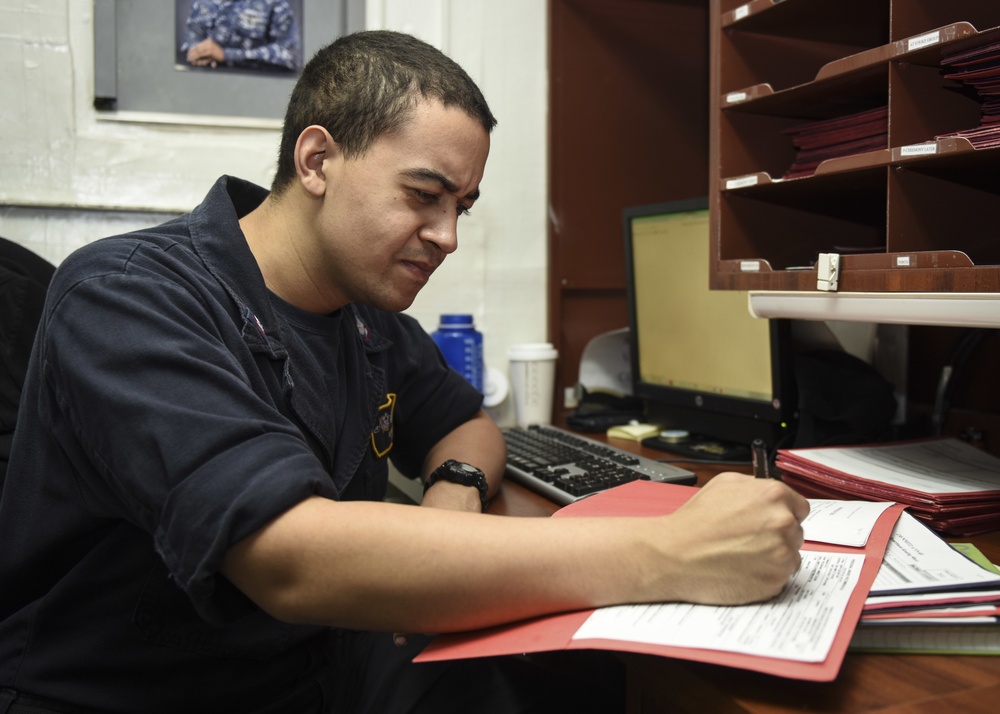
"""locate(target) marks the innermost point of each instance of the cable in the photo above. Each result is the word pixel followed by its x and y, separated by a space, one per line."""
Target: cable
pixel 966 345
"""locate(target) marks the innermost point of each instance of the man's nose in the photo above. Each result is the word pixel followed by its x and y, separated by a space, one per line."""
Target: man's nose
pixel 442 232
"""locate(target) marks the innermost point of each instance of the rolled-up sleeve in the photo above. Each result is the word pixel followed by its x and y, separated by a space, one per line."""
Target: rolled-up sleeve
pixel 180 425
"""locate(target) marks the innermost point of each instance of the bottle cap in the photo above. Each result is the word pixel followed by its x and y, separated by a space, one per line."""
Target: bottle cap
pixel 456 320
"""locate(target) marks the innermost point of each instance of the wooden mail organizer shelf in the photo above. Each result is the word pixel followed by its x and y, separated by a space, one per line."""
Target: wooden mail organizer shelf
pixel 841 126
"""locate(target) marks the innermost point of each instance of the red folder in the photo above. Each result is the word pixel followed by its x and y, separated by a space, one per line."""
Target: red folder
pixel 948 508
pixel 643 498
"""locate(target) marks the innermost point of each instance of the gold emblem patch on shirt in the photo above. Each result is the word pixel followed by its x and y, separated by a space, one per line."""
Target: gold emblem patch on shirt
pixel 384 425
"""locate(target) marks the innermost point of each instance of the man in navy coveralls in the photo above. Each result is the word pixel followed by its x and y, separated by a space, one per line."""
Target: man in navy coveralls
pixel 193 518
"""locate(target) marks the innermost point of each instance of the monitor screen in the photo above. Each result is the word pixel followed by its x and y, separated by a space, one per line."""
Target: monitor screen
pixel 700 361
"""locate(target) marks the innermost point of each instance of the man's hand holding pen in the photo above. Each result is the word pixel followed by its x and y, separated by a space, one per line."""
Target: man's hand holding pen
pixel 756 535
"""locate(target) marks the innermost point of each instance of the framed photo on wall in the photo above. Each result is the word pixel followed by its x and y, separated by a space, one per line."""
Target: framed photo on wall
pixel 142 48
pixel 253 36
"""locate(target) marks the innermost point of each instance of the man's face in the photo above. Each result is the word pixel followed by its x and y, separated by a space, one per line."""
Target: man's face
pixel 390 216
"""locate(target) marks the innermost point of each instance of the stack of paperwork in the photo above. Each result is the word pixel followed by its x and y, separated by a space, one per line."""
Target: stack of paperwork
pixel 978 69
pixel 950 485
pixel 820 140
pixel 931 597
pixel 871 578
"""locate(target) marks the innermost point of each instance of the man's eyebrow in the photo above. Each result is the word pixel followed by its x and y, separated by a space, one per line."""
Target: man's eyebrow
pixel 446 183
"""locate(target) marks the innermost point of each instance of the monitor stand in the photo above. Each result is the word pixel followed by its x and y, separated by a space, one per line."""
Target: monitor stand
pixel 698 448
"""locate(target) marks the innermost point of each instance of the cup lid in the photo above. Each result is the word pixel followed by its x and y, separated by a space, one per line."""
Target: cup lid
pixel 532 350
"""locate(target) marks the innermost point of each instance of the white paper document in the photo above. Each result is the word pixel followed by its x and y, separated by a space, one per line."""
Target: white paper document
pixel 842 522
pixel 918 559
pixel 799 624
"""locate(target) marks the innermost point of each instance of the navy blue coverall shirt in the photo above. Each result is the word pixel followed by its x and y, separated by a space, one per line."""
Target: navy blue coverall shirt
pixel 172 407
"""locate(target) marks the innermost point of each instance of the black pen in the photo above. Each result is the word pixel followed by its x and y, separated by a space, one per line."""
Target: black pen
pixel 759 457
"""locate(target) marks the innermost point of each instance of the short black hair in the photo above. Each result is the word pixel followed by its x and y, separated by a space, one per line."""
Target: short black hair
pixel 365 85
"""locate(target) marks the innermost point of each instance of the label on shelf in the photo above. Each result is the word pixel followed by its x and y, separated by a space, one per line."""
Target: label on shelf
pixel 741 12
pixel 915 43
pixel 750 266
pixel 742 181
pixel 929 147
pixel 736 97
pixel 902 261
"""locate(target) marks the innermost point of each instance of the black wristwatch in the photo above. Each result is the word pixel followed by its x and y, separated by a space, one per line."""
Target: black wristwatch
pixel 465 474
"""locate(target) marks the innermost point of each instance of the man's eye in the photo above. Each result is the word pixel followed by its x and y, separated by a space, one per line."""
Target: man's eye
pixel 429 198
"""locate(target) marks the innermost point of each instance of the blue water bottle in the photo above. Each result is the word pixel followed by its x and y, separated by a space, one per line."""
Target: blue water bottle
pixel 462 346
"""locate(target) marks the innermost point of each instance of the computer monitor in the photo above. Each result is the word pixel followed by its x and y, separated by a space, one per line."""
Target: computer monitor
pixel 701 363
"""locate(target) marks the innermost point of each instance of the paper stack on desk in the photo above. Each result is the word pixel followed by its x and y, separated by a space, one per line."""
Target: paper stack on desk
pixel 948 484
pixel 930 596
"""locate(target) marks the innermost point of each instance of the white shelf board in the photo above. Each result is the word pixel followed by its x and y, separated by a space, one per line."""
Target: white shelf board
pixel 948 309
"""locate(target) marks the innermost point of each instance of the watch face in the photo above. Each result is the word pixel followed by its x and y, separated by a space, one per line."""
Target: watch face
pixel 461 472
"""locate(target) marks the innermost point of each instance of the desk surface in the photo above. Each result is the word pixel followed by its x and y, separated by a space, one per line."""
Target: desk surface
pixel 889 684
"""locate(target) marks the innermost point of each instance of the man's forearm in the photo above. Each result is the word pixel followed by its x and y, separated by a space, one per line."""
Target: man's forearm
pixel 390 567
pixel 398 568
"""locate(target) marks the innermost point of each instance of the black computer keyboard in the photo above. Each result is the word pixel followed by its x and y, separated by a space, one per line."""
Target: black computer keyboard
pixel 564 466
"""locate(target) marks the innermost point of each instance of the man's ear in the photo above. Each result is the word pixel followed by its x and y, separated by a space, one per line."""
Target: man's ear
pixel 314 147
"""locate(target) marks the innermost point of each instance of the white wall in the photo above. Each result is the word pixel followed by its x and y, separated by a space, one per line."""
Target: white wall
pixel 69 176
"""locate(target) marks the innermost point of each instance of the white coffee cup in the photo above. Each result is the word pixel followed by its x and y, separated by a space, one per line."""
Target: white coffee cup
pixel 532 381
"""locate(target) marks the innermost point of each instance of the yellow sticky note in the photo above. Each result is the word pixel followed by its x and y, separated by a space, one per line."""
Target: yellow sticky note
pixel 633 432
